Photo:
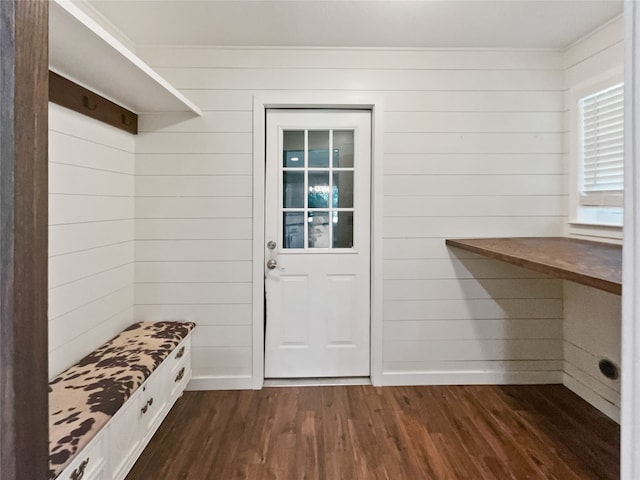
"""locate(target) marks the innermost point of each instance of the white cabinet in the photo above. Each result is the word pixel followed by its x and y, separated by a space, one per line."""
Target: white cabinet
pixel 115 449
pixel 132 431
pixel 181 372
pixel 124 437
pixel 155 398
pixel 90 464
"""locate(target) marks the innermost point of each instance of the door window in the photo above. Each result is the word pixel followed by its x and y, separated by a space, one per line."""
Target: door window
pixel 317 173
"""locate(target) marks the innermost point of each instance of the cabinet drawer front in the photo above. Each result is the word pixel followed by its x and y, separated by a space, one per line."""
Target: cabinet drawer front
pixel 125 434
pixel 155 397
pixel 99 472
pixel 182 351
pixel 180 368
pixel 89 464
pixel 180 376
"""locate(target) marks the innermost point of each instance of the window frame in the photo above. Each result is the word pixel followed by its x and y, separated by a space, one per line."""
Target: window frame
pixel 606 220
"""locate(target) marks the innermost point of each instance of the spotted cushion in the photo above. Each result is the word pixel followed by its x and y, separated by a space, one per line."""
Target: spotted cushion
pixel 83 398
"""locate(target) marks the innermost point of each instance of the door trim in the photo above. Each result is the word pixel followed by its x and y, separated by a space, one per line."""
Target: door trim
pixel 320 101
pixel 630 414
pixel 329 341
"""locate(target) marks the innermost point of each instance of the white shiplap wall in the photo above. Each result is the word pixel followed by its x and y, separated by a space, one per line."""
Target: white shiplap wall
pixel 592 318
pixel 473 147
pixel 592 330
pixel 193 238
pixel 91 182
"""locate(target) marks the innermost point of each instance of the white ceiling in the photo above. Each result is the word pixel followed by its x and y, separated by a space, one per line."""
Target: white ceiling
pixel 358 23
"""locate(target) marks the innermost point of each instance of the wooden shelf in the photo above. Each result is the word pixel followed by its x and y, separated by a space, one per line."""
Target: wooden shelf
pixel 81 50
pixel 595 264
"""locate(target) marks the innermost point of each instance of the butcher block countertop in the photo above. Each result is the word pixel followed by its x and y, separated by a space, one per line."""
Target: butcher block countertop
pixel 596 264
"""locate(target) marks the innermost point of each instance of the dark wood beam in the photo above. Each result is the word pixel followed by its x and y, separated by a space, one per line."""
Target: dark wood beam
pixel 23 239
pixel 86 102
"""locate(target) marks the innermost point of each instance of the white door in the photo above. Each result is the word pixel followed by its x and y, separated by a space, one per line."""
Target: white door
pixel 317 232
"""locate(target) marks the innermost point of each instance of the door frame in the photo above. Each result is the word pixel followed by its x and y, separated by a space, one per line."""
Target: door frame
pixel 630 414
pixel 316 101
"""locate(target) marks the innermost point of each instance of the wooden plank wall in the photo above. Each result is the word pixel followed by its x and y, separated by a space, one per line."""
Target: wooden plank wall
pixel 473 147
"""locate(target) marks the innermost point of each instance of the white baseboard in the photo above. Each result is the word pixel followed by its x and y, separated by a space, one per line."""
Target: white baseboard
pixel 470 378
pixel 220 383
pixel 404 379
pixel 588 395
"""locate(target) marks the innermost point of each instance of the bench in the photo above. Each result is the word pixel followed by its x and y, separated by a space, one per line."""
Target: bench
pixel 104 409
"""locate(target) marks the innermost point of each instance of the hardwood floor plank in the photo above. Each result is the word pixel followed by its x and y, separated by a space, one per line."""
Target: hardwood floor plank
pixel 390 433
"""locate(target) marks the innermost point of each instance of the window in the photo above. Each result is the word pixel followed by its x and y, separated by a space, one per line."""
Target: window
pixel 596 196
pixel 602 152
pixel 318 189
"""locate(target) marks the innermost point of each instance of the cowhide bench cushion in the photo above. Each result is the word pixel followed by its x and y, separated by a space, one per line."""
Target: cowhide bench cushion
pixel 84 397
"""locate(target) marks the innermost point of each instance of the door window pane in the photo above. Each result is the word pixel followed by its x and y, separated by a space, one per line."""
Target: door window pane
pixel 319 189
pixel 318 182
pixel 342 229
pixel 319 149
pixel 293 189
pixel 319 230
pixel 343 189
pixel 293 230
pixel 343 144
pixel 293 148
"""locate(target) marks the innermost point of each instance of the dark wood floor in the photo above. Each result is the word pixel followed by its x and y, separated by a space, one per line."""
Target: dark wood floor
pixel 395 433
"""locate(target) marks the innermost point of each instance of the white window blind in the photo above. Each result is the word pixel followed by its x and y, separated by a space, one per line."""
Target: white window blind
pixel 602 116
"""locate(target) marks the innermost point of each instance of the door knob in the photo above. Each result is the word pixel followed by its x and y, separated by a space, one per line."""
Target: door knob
pixel 271 264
